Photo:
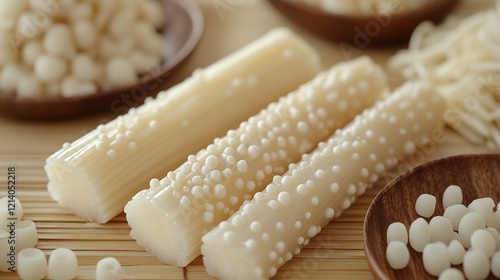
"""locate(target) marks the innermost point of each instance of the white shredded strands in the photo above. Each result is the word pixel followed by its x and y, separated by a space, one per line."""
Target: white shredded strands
pixel 461 58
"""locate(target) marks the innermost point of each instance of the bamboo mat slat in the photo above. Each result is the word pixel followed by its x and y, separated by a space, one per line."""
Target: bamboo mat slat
pixel 335 253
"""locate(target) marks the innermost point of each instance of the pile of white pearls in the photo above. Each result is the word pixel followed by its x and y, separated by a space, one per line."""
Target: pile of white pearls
pixel 30 262
pixel 71 48
pixel 14 228
pixel 464 235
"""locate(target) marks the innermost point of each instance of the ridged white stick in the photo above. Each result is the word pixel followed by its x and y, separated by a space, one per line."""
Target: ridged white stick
pixel 97 174
pixel 170 218
pixel 267 231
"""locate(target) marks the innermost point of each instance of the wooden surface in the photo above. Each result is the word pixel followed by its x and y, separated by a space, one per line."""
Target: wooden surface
pixel 476 175
pixel 336 253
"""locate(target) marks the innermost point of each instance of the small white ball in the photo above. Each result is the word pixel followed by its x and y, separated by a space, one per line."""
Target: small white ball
pixel 495 264
pixel 72 87
pixel 397 254
pixel 79 11
pixel 84 68
pixel 484 206
pixel 10 76
pixel 63 264
pixel 120 72
pixel 31 264
pixel 108 268
pixel 441 229
pixel 121 23
pixel 397 232
pixel 419 234
pixel 455 213
pixel 468 225
pixel 12 8
pixel 50 68
pixel 452 195
pixel 435 258
pixel 31 51
pixel 4 201
pixel 27 235
pixel 451 274
pixel 456 252
pixel 482 240
pixel 148 38
pixel 86 35
pixel 496 236
pixel 425 205
pixel 152 12
pixel 476 265
pixel 30 87
pixel 59 41
pixel 144 63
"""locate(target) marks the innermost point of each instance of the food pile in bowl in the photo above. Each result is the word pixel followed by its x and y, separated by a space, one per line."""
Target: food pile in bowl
pixel 54 48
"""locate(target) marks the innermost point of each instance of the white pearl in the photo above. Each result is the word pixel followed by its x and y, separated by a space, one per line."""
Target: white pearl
pixel 31 264
pixel 108 269
pixel 27 236
pixel 63 264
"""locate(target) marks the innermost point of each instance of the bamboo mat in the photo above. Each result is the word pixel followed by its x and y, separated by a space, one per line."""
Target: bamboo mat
pixel 335 253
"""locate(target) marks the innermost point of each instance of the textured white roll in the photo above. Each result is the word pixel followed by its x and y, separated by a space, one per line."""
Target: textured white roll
pixel 27 235
pixel 108 269
pixel 397 231
pixel 435 258
pixel 397 254
pixel 425 205
pixel 451 196
pixel 63 264
pixel 419 234
pixel 31 264
pixel 476 265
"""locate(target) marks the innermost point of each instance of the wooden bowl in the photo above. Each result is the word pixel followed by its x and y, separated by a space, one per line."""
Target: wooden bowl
pixel 477 175
pixel 363 30
pixel 181 33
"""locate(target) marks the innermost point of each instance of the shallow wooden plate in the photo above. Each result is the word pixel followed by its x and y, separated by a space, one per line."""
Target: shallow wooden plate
pixel 477 175
pixel 363 31
pixel 182 31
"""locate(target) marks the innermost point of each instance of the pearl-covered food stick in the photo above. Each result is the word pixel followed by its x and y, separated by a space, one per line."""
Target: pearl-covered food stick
pixel 270 229
pixel 97 174
pixel 170 218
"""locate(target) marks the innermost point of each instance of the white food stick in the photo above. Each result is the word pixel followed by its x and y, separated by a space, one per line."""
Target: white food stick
pixel 267 231
pixel 97 174
pixel 170 218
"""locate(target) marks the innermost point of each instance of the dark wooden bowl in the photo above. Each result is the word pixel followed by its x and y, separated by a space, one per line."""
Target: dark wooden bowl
pixel 181 33
pixel 477 175
pixel 363 30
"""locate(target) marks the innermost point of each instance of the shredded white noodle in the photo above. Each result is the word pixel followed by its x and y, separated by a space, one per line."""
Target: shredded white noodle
pixel 461 58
